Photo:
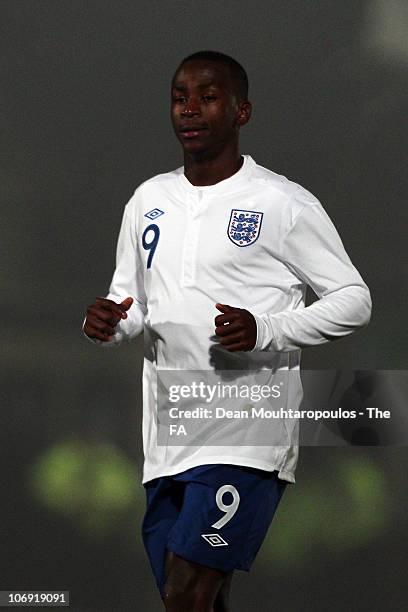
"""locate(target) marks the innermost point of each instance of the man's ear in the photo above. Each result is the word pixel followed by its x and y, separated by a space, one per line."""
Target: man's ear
pixel 244 112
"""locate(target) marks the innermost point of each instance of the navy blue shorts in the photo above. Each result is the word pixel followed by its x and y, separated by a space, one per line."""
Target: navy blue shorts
pixel 216 515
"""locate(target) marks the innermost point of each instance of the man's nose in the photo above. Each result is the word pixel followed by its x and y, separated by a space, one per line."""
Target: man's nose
pixel 192 107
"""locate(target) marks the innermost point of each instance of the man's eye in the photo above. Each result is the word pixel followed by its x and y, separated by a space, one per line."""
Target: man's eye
pixel 180 99
pixel 209 98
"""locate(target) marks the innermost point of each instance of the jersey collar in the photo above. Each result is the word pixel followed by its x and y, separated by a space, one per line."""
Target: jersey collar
pixel 222 186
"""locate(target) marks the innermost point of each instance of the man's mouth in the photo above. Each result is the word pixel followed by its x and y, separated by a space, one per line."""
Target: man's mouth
pixel 191 131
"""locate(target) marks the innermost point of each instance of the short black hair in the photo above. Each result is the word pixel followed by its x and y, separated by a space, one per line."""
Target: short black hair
pixel 237 72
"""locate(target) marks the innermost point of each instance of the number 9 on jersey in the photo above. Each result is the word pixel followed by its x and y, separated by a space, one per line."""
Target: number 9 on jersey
pixel 151 244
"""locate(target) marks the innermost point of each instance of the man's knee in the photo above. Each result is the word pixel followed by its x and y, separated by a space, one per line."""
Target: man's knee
pixel 186 596
pixel 189 586
pixel 221 603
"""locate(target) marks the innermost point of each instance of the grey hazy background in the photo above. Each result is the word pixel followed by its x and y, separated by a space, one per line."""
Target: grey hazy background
pixel 84 119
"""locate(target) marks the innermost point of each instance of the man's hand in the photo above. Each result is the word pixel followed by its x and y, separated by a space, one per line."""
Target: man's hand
pixel 235 328
pixel 103 316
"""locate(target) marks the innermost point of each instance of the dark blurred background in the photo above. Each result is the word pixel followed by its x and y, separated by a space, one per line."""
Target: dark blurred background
pixel 84 119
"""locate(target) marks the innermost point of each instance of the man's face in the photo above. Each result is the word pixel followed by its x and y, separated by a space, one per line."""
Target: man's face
pixel 204 107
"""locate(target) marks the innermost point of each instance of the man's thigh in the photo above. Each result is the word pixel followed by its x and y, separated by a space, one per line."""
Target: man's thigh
pixel 225 515
pixel 214 515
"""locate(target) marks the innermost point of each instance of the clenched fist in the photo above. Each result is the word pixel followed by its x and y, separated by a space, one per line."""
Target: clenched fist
pixel 103 316
pixel 236 328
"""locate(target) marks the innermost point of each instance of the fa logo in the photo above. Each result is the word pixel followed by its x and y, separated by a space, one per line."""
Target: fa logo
pixel 178 430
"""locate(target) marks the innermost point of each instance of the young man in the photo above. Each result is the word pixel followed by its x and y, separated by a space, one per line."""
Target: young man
pixel 220 245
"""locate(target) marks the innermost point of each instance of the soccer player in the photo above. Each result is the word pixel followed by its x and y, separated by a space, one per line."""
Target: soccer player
pixel 213 260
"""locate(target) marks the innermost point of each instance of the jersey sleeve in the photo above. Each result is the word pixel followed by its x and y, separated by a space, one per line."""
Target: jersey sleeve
pixel 127 281
pixel 313 251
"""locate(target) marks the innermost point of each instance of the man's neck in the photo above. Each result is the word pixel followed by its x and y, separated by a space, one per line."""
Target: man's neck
pixel 202 172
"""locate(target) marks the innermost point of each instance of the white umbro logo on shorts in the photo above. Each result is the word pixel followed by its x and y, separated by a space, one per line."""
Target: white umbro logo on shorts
pixel 214 539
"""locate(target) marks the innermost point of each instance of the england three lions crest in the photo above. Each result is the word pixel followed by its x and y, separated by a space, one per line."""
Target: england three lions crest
pixel 244 226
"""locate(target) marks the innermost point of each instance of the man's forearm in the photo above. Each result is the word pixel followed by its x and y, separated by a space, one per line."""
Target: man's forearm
pixel 335 315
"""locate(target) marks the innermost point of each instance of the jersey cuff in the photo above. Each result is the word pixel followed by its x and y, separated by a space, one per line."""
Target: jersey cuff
pixel 264 335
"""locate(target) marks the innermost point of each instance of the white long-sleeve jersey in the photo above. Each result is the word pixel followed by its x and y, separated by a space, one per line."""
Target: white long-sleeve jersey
pixel 254 240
